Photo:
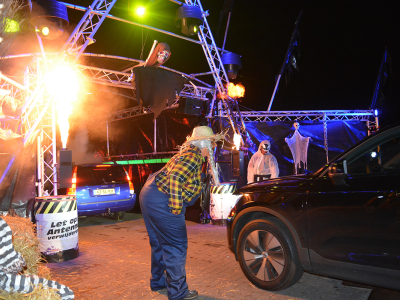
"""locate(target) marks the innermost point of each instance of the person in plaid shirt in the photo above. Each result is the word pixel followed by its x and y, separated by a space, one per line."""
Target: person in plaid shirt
pixel 163 201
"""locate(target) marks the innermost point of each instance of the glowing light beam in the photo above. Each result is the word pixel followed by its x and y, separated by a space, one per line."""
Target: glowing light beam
pixel 62 85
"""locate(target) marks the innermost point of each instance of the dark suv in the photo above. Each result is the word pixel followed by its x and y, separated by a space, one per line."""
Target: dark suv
pixel 342 221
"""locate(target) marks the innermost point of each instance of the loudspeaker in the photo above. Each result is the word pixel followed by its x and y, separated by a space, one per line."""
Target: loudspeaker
pixel 237 163
pixel 65 169
pixel 190 106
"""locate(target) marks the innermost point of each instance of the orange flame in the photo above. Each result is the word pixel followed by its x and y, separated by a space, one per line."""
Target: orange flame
pixel 235 91
pixel 62 84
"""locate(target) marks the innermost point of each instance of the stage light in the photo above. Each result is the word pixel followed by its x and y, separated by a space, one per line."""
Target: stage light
pixel 50 18
pixel 140 11
pixel 11 26
pixel 188 18
pixel 373 154
pixel 376 112
pixel 232 64
pixel 45 30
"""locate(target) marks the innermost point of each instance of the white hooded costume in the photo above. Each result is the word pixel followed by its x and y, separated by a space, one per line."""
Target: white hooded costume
pixel 262 164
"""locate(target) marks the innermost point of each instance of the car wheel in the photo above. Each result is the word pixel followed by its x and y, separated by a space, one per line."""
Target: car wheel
pixel 268 255
pixel 118 215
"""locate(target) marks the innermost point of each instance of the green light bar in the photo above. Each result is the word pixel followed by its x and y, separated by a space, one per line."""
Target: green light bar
pixel 139 161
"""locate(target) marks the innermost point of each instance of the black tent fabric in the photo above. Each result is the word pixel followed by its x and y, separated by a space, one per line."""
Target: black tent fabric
pixel 136 135
pixel 341 136
pixel 156 87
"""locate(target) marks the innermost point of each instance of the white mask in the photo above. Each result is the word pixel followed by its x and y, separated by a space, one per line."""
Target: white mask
pixel 207 145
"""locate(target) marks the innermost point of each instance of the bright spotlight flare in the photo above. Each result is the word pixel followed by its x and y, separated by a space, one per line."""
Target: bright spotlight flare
pixel 62 85
pixel 235 91
pixel 236 141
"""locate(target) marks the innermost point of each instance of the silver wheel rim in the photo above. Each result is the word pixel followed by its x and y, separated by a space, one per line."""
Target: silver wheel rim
pixel 264 255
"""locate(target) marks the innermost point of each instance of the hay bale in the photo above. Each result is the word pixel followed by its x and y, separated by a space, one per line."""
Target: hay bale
pixel 39 293
pixel 26 242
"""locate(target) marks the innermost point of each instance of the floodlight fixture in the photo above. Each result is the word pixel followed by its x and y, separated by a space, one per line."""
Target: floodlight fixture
pixel 232 64
pixel 189 18
pixel 50 18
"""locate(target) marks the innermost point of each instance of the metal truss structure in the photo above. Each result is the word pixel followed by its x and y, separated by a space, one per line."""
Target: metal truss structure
pixel 36 124
pixel 38 119
pixel 84 32
pixel 311 115
pixel 213 57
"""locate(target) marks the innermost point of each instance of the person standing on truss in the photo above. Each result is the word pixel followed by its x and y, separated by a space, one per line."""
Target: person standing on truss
pixel 163 201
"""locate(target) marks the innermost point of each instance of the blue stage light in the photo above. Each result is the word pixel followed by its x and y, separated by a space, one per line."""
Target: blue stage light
pixel 50 17
pixel 189 18
pixel 376 112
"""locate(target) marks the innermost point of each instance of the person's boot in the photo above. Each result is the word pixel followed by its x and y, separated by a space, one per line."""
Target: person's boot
pixel 192 294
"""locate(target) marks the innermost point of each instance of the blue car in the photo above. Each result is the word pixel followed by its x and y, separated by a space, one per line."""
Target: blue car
pixel 102 190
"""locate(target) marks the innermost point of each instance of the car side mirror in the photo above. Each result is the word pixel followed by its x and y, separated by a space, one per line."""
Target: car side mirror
pixel 338 172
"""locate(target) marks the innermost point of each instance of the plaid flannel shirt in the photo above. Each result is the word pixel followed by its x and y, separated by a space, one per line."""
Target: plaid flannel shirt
pixel 180 178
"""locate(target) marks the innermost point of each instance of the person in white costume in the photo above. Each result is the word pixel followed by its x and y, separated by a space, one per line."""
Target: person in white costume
pixel 262 163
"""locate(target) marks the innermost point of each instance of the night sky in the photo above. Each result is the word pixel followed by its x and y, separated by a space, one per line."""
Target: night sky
pixel 341 47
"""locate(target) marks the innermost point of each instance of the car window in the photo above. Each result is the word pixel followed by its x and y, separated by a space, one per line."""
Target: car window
pixel 109 174
pixel 85 177
pixel 381 158
pixel 98 175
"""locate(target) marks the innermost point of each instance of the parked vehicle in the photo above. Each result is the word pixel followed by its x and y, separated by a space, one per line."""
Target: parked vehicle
pixel 342 221
pixel 102 189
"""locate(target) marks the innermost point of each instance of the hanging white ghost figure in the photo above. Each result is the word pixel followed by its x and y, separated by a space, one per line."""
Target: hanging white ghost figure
pixel 298 145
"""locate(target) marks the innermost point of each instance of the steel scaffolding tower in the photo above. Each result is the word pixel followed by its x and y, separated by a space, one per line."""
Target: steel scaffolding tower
pixel 38 114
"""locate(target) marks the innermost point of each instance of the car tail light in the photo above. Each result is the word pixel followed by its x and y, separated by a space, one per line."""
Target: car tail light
pixel 131 189
pixel 72 189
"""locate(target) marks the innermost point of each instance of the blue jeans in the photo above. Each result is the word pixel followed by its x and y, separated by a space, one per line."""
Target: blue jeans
pixel 168 240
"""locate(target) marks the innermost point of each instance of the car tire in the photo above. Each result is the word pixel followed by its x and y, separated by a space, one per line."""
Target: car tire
pixel 119 215
pixel 271 265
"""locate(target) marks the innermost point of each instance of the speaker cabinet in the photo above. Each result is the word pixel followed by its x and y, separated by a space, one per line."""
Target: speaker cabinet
pixel 238 163
pixel 190 106
pixel 65 168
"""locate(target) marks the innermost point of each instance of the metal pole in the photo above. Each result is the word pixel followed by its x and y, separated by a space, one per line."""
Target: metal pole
pixel 287 58
pixel 273 95
pixel 81 8
pixel 155 135
pixel 108 143
pixel 326 138
pixel 54 148
pixel 39 165
pixel 226 30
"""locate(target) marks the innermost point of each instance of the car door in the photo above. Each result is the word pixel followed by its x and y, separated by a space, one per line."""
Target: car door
pixel 353 229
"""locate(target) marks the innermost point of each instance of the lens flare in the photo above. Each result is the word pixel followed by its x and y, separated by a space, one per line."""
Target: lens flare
pixel 235 91
pixel 62 84
pixel 236 141
pixel 140 11
pixel 45 31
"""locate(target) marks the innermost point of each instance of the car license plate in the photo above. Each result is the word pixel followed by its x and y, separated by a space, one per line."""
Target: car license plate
pixel 103 192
